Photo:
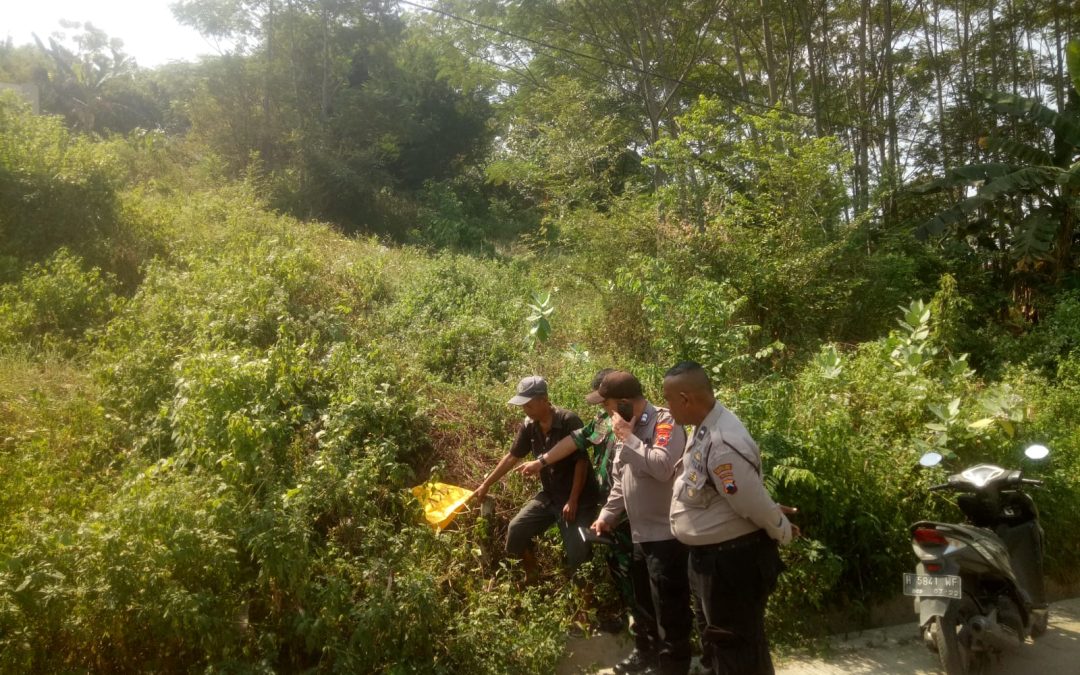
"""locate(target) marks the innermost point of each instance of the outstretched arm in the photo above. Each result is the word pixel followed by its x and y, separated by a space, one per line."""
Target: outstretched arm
pixel 563 449
pixel 505 464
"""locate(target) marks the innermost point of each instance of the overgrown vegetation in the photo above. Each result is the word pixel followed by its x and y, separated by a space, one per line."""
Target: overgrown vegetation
pixel 211 408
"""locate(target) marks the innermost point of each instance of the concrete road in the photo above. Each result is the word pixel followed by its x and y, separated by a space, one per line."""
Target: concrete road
pixel 896 650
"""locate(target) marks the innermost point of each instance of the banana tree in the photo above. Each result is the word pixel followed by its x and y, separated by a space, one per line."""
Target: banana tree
pixel 80 79
pixel 1026 203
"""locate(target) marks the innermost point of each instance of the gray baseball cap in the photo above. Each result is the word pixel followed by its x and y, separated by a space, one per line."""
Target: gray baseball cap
pixel 529 388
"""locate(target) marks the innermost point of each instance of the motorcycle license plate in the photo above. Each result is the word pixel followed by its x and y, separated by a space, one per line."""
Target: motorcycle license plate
pixel 932 585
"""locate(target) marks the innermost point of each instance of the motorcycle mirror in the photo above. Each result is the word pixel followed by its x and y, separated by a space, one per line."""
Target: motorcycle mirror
pixel 930 459
pixel 1037 451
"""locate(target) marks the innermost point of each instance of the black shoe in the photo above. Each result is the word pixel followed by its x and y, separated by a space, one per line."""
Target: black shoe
pixel 637 662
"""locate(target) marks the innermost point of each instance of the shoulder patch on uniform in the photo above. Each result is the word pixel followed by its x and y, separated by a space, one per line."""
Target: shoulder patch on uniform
pixel 663 434
pixel 723 471
pixel 729 485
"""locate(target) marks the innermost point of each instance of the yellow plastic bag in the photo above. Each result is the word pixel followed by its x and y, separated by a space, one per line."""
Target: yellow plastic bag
pixel 442 502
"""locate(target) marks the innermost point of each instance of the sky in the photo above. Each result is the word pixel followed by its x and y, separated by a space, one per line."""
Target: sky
pixel 147 27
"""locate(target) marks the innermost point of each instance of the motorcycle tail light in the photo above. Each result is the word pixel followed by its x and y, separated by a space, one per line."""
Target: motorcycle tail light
pixel 932 568
pixel 926 535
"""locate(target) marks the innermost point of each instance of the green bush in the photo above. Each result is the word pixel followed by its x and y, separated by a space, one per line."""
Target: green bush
pixel 843 439
pixel 55 303
pixel 57 190
pixel 462 319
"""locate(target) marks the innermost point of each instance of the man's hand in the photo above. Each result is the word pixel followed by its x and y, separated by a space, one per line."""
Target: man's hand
pixel 789 511
pixel 600 526
pixel 569 511
pixel 620 427
pixel 531 469
pixel 480 493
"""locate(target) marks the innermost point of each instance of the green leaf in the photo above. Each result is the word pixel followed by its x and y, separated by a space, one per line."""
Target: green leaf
pixel 1065 126
pixel 954 407
pixel 1034 236
pixel 1071 177
pixel 1072 59
pixel 1013 149
pixel 1026 179
pixel 981 424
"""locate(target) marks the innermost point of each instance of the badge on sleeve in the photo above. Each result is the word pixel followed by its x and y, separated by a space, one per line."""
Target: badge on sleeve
pixel 663 435
pixel 727 478
pixel 723 471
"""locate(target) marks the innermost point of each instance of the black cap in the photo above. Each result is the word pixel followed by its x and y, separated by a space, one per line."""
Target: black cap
pixel 616 384
pixel 594 395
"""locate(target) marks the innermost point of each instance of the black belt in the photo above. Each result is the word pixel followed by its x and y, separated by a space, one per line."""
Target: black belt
pixel 755 537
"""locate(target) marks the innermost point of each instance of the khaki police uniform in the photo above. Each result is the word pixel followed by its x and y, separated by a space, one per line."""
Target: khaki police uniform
pixel 721 509
pixel 642 477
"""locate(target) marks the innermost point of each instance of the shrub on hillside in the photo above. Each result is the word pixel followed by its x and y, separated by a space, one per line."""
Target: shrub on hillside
pixel 462 318
pixel 55 303
pixel 57 190
pixel 843 439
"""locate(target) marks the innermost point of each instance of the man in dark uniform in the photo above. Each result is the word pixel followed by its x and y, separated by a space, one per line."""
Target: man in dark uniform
pixel 721 510
pixel 597 439
pixel 568 496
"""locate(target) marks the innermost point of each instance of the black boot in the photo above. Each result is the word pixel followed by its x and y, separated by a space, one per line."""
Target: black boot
pixel 671 665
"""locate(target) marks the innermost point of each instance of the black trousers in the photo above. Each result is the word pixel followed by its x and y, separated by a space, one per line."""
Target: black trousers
pixel 662 615
pixel 731 583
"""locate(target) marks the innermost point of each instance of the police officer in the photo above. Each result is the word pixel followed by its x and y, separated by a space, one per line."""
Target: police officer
pixel 648 448
pixel 568 496
pixel 720 508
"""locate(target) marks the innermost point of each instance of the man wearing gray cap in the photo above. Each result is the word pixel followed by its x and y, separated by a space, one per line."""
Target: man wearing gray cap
pixel 568 497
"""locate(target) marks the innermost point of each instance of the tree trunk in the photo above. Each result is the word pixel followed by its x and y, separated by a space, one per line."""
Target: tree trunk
pixel 862 162
pixel 892 162
pixel 805 18
pixel 770 54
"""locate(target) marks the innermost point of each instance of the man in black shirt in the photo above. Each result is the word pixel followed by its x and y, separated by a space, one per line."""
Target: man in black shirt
pixel 568 497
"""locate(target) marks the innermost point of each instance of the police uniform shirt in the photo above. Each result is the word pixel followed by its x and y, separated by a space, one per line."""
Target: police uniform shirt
pixel 643 473
pixel 719 494
pixel 557 479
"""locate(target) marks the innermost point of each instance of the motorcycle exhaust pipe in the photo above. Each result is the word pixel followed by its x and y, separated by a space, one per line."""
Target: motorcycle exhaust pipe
pixel 991 634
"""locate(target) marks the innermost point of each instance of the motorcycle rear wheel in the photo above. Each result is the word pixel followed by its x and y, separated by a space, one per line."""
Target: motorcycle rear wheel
pixel 954 640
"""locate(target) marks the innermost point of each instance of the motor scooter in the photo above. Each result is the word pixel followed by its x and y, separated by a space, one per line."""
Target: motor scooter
pixel 978 585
